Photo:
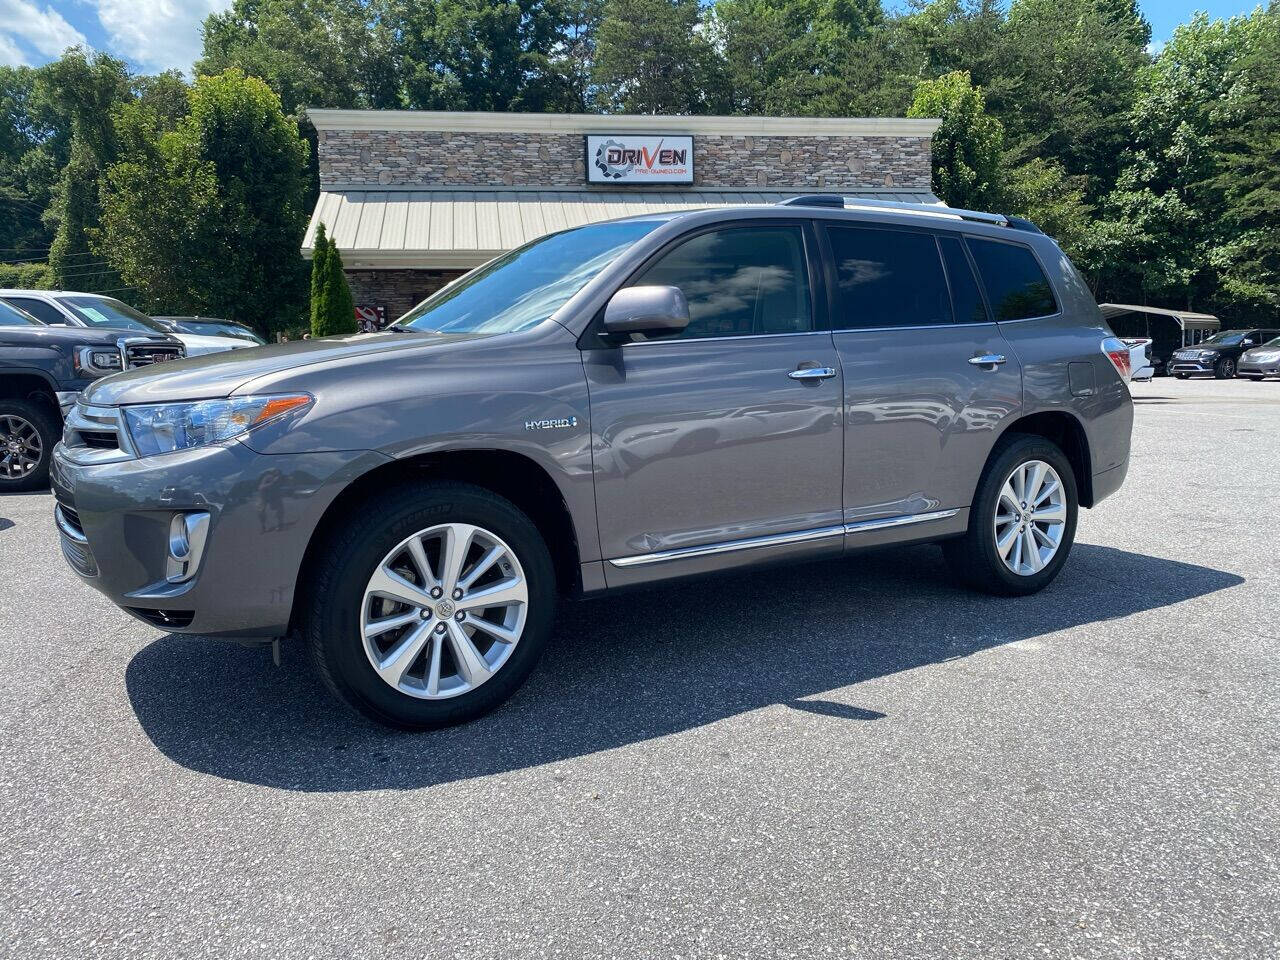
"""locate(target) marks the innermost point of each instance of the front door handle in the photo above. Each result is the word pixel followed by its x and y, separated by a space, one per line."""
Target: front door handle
pixel 987 359
pixel 812 373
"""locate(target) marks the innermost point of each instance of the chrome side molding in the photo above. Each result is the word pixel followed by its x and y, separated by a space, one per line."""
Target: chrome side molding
pixel 780 539
pixel 885 523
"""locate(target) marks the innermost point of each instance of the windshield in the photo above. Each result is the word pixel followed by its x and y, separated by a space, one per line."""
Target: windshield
pixel 106 312
pixel 529 284
pixel 13 317
pixel 1272 344
pixel 1227 338
pixel 214 329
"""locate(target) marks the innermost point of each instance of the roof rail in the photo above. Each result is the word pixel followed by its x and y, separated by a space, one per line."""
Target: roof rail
pixel 845 203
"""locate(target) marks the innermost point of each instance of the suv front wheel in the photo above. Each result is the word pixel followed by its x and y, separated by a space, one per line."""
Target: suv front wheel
pixel 431 605
pixel 1022 522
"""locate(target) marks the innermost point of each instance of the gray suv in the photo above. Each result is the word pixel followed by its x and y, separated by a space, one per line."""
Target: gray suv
pixel 606 407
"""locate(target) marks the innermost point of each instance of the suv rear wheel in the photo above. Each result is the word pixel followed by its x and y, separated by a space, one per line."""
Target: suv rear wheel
pixel 1023 520
pixel 28 431
pixel 431 605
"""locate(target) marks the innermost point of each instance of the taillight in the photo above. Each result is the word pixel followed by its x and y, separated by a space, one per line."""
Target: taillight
pixel 1117 352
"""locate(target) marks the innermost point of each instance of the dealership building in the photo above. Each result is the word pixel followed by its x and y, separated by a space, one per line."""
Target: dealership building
pixel 414 199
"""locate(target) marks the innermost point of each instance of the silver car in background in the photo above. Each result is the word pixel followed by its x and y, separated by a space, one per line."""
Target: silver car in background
pixel 1260 362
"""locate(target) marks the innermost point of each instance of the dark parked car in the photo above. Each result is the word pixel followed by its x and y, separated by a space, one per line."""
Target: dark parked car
pixel 1260 362
pixel 1219 354
pixel 210 327
pixel 609 406
pixel 42 370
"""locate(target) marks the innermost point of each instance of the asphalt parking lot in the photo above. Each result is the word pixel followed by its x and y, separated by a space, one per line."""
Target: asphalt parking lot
pixel 849 759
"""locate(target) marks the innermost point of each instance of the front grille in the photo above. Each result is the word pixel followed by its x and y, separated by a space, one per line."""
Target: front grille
pixel 79 557
pixel 95 435
pixel 75 546
pixel 72 518
pixel 142 355
pixel 99 439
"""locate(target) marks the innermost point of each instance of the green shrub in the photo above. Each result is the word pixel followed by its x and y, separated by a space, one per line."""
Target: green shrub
pixel 26 276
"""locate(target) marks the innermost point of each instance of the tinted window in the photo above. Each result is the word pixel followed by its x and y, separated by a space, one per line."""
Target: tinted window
pixel 965 295
pixel 749 280
pixel 1016 286
pixel 529 284
pixel 887 278
pixel 38 309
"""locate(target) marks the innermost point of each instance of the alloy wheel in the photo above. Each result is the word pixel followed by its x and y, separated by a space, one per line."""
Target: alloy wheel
pixel 443 611
pixel 1031 516
pixel 20 447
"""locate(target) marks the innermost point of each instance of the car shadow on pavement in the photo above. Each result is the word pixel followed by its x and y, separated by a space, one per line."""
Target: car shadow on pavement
pixel 631 667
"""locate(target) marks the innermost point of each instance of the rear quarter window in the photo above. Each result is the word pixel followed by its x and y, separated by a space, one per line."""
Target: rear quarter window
pixel 1017 288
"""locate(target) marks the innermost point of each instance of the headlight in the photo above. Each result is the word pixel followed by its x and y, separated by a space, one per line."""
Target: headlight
pixel 166 427
pixel 98 361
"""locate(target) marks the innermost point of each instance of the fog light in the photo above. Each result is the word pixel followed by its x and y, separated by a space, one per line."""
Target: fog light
pixel 187 534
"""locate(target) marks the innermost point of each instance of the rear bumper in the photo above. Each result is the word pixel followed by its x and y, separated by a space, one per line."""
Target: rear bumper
pixel 115 522
pixel 1109 481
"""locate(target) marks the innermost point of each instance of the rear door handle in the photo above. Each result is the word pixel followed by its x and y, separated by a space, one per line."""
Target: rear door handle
pixel 812 373
pixel 987 360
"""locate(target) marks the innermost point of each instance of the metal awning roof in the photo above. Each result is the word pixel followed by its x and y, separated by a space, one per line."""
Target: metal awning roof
pixel 459 229
pixel 1186 318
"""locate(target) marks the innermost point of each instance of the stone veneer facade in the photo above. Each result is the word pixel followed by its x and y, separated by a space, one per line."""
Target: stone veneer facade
pixel 362 154
pixel 396 290
pixel 436 159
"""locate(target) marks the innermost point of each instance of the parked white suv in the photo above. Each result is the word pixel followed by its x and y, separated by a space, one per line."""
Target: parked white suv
pixel 65 307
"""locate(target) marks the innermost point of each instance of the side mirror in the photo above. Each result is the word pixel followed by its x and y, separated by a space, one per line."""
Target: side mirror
pixel 649 310
pixel 1246 343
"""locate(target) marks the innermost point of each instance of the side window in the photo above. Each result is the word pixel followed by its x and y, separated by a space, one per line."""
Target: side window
pixel 965 295
pixel 1016 286
pixel 38 309
pixel 887 278
pixel 741 281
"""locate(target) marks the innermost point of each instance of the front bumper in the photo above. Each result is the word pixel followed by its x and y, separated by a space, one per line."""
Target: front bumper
pixel 1268 369
pixel 115 522
pixel 1191 366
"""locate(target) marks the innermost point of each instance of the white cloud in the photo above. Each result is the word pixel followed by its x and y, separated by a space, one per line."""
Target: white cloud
pixel 24 24
pixel 156 34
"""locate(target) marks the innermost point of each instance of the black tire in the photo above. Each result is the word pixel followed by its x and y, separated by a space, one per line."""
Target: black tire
pixel 973 558
pixel 45 422
pixel 1224 369
pixel 1181 376
pixel 331 618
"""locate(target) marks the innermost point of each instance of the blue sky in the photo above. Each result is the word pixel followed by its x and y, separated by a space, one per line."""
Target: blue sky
pixel 158 34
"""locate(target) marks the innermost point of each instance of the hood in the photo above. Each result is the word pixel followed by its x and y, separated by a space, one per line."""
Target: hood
pixel 77 336
pixel 220 374
pixel 198 344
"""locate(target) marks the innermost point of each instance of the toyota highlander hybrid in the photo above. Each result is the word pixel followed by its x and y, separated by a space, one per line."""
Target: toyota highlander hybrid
pixel 605 407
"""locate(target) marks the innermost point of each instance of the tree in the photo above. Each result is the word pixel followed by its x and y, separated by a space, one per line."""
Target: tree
pixel 319 253
pixel 1247 147
pixel 1065 82
pixel 333 311
pixel 967 147
pixel 208 217
pixel 653 57
pixel 317 53
pixel 784 56
pixel 1164 216
pixel 482 54
pixel 85 90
